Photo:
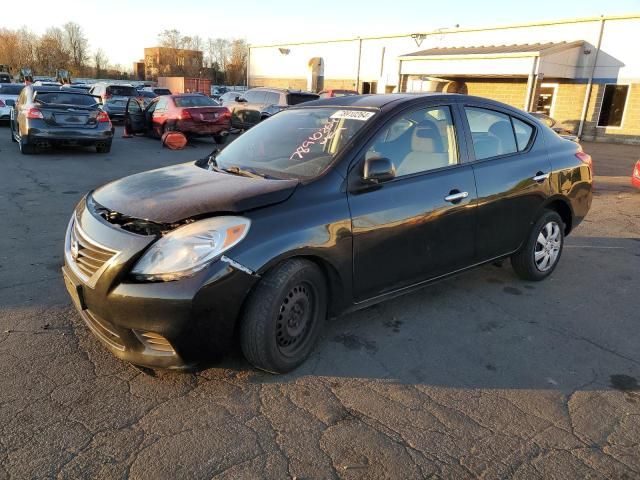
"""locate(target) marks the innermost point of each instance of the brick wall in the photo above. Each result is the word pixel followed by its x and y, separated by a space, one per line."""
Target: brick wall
pixel 509 91
pixel 629 132
pixel 293 83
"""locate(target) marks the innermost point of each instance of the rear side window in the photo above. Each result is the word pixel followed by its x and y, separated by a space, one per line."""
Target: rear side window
pixel 296 98
pixel 272 98
pixel 121 91
pixel 492 133
pixel 194 101
pixel 11 89
pixel 524 133
pixel 65 99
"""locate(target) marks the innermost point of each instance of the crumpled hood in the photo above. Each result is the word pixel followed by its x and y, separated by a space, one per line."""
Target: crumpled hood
pixel 171 194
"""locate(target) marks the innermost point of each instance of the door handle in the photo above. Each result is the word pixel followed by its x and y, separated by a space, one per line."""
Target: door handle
pixel 539 177
pixel 456 197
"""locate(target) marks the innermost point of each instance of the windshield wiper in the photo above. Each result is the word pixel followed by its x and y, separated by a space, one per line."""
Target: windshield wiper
pixel 241 171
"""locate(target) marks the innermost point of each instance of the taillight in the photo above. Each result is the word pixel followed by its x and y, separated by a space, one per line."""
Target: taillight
pixel 185 115
pixel 2 104
pixel 103 117
pixel 636 170
pixel 585 158
pixel 34 113
pixel 226 113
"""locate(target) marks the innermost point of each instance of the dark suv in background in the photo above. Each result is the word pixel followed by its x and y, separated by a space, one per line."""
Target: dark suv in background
pixel 256 104
pixel 115 97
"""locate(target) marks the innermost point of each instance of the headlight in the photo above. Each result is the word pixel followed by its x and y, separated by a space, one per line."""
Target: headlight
pixel 188 249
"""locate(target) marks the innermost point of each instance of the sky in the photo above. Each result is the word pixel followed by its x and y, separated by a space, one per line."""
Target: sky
pixel 123 28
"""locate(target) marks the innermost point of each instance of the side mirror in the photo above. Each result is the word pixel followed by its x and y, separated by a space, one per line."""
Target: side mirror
pixel 241 99
pixel 378 170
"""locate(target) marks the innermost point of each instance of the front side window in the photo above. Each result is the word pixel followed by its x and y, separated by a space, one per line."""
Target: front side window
pixel 491 132
pixel 613 103
pixel 255 96
pixel 272 98
pixel 296 143
pixel 419 141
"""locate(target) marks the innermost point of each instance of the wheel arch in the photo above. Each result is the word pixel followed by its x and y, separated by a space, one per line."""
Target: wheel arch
pixel 563 208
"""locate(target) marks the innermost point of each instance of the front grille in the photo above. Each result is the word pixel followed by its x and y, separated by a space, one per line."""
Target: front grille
pixel 87 255
pixel 103 329
pixel 154 342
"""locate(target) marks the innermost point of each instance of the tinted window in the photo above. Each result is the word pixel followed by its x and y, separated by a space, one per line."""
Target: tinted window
pixel 122 91
pixel 420 141
pixel 194 101
pixel 296 98
pixel 524 132
pixel 272 98
pixel 63 98
pixel 255 96
pixel 491 131
pixel 613 103
pixel 4 78
pixel 9 89
pixel 162 91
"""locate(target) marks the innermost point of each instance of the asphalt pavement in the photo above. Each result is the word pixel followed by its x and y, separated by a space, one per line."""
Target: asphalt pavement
pixel 481 375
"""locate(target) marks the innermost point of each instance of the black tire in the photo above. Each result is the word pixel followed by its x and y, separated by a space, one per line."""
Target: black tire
pixel 25 147
pixel 283 316
pixel 529 261
pixel 220 139
pixel 106 148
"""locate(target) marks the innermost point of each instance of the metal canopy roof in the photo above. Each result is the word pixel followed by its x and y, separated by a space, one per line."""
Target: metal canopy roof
pixel 527 48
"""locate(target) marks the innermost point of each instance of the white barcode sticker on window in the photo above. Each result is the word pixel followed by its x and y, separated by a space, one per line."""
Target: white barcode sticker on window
pixel 353 115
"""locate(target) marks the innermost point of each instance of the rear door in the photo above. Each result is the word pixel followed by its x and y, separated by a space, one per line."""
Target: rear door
pixel 247 114
pixel 420 225
pixel 512 175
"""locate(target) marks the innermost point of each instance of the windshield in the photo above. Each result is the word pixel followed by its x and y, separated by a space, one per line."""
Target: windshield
pixel 195 101
pixel 297 143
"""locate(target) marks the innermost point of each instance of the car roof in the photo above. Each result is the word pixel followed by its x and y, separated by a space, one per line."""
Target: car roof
pixel 282 90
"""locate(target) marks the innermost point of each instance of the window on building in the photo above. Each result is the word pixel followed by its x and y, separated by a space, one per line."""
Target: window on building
pixel 613 103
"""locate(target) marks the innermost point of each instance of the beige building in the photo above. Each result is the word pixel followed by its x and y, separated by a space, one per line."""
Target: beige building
pixel 583 72
pixel 162 61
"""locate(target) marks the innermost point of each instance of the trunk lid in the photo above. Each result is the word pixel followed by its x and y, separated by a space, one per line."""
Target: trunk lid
pixel 206 114
pixel 69 116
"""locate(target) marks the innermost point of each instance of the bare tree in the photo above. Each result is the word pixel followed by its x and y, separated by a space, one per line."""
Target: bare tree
pixel 51 52
pixel 77 44
pixel 237 66
pixel 100 62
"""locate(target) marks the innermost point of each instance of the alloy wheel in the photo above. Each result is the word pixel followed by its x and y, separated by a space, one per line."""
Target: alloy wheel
pixel 547 248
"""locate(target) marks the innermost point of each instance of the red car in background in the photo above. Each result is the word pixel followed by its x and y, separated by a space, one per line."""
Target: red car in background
pixel 193 114
pixel 635 175
pixel 335 92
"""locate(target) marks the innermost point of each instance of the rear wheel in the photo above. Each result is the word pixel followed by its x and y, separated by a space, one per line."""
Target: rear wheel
pixel 283 316
pixel 25 147
pixel 541 253
pixel 219 139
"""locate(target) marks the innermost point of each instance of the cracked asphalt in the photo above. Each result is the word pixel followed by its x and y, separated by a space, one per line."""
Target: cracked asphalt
pixel 482 375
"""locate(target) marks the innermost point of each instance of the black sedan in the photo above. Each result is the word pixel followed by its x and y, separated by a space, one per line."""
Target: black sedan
pixel 48 116
pixel 324 208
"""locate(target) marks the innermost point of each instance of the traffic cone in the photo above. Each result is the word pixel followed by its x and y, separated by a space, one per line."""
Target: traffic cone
pixel 126 133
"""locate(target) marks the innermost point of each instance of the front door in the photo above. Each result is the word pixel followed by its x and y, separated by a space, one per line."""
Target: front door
pixel 134 117
pixel 512 175
pixel 421 224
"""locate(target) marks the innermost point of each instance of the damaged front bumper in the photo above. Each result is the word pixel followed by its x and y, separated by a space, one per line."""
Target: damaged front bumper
pixel 155 324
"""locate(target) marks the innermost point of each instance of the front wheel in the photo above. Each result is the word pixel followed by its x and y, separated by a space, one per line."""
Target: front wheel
pixel 283 316
pixel 219 139
pixel 541 253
